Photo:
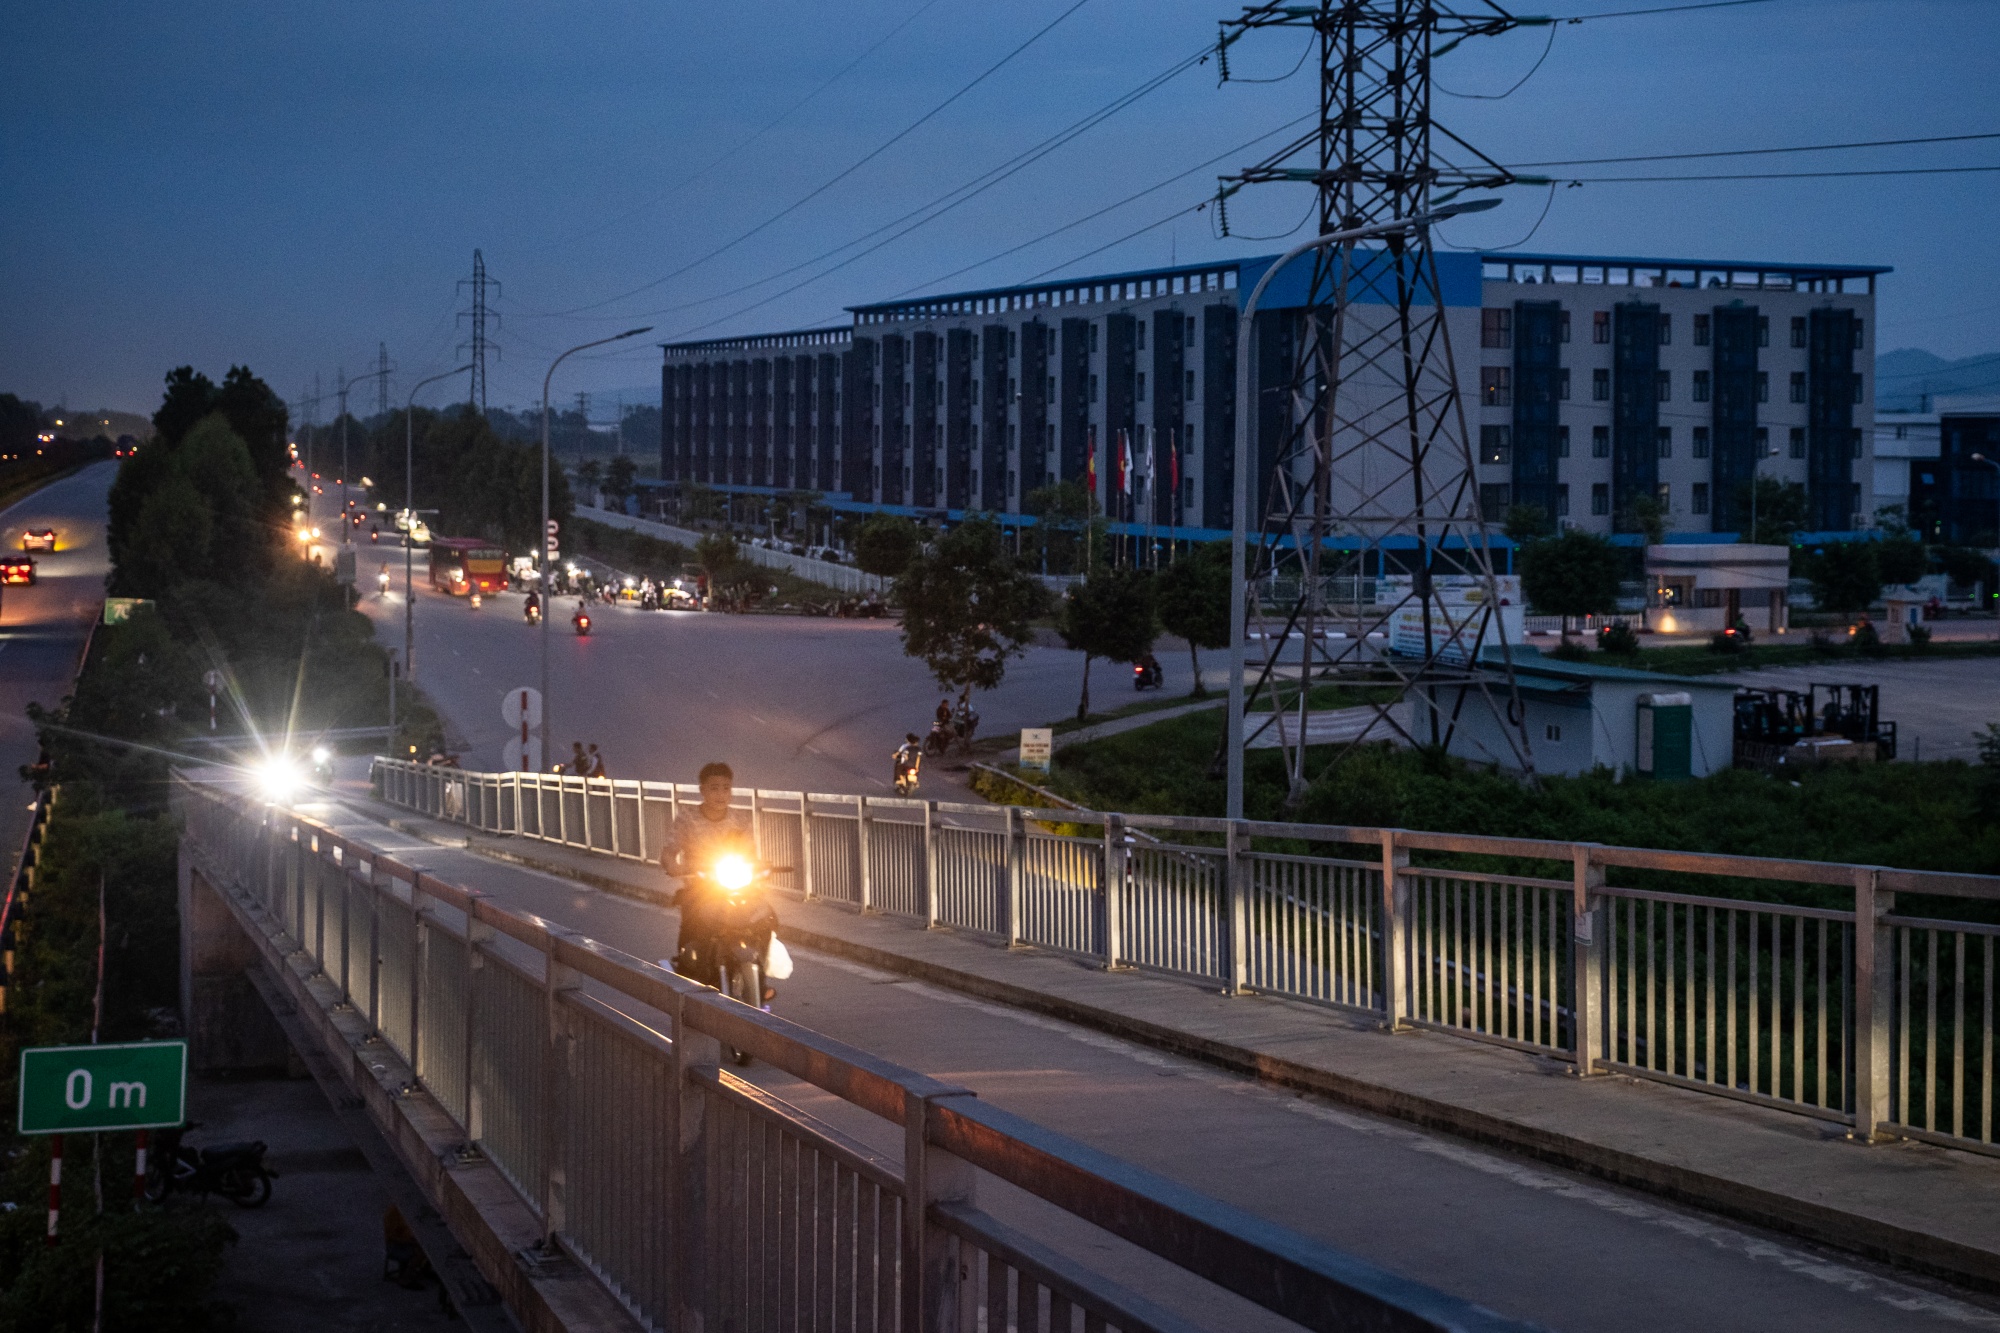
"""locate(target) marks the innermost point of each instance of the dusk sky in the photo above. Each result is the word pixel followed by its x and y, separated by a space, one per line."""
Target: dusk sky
pixel 289 185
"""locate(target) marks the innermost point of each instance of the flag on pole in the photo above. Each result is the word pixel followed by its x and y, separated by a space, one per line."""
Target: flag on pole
pixel 1124 464
pixel 1090 468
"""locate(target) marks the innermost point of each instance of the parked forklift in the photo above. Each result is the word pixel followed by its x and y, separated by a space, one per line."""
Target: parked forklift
pixel 1780 728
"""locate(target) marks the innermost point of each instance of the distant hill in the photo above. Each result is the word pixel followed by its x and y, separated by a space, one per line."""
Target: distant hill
pixel 1907 378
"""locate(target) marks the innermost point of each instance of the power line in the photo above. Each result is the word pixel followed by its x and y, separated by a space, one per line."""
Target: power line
pixel 1781 175
pixel 1758 152
pixel 735 149
pixel 845 172
pixel 951 199
pixel 1662 9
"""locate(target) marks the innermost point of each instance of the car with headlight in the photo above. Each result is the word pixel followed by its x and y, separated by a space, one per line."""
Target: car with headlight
pixel 17 569
pixel 39 539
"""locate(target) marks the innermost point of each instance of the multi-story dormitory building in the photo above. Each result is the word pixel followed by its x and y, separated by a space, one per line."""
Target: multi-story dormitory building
pixel 1588 384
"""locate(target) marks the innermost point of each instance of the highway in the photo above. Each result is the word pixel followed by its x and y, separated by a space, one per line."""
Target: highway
pixel 42 627
pixel 1531 1241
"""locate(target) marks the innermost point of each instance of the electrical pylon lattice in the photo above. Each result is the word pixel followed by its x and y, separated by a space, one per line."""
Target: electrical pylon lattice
pixel 1372 565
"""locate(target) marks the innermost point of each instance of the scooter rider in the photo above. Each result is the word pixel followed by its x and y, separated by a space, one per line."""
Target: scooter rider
pixel 909 757
pixel 533 609
pixel 698 838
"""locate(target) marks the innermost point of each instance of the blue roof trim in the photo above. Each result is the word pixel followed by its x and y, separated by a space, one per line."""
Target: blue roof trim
pixel 1648 261
pixel 1372 283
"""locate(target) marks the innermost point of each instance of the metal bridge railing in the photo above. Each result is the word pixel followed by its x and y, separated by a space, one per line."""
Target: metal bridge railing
pixel 1889 1029
pixel 595 1082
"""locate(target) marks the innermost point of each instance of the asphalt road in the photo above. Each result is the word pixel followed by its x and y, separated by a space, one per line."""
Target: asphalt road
pixel 790 702
pixel 1531 1241
pixel 42 627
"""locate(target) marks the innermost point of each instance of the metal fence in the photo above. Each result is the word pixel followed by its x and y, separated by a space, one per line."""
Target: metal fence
pixel 594 1082
pixel 1888 1029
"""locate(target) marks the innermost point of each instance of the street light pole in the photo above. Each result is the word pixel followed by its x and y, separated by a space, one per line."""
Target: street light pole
pixel 410 522
pixel 1239 507
pixel 345 535
pixel 542 584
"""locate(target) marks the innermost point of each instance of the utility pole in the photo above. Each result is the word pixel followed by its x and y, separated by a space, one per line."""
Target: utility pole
pixel 382 369
pixel 477 317
pixel 1371 563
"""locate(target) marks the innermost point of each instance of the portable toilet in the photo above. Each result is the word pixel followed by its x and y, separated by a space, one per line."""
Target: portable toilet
pixel 1666 736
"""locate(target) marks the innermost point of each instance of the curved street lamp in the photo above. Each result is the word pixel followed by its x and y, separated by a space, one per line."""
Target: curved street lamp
pixel 410 522
pixel 542 584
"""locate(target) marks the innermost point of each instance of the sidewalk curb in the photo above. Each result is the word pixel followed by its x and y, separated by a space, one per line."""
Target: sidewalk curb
pixel 1853 1232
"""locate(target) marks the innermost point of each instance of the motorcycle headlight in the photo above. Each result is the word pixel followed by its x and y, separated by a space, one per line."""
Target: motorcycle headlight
pixel 733 873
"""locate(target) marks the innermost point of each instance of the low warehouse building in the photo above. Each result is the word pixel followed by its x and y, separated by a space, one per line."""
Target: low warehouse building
pixel 1581 716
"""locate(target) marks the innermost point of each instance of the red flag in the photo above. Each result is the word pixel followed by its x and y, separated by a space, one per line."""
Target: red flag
pixel 1174 468
pixel 1124 464
pixel 1090 471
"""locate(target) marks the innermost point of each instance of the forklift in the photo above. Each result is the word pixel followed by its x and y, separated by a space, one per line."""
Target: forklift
pixel 1772 724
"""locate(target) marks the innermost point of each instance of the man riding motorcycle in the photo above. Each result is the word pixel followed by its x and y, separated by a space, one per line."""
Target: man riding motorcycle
pixel 712 850
pixel 909 757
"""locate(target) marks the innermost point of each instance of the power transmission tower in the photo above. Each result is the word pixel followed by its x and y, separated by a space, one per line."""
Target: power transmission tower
pixel 1375 569
pixel 478 316
pixel 382 369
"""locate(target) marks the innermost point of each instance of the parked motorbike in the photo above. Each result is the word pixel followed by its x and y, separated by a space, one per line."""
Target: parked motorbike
pixel 939 739
pixel 735 948
pixel 1146 673
pixel 236 1171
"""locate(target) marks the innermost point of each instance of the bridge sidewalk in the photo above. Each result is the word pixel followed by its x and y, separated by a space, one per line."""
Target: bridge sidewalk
pixel 1927 1208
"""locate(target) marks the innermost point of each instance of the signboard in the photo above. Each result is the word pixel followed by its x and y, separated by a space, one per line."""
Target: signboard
pixel 118 610
pixel 522 707
pixel 522 756
pixel 1037 747
pixel 1458 620
pixel 123 1085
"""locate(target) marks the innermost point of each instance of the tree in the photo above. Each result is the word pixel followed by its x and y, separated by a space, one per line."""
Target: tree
pixel 1782 509
pixel 885 544
pixel 968 606
pixel 618 479
pixel 1574 574
pixel 1846 576
pixel 1526 523
pixel 589 475
pixel 1649 516
pixel 1193 596
pixel 1901 559
pixel 1110 615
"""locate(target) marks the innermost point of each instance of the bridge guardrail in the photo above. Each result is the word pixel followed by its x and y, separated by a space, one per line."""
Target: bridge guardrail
pixel 595 1082
pixel 1888 1029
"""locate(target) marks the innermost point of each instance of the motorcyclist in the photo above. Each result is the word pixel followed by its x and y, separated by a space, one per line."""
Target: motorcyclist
pixel 909 758
pixel 533 609
pixel 697 839
pixel 382 580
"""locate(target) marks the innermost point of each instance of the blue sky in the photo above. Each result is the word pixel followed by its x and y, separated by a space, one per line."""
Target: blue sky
pixel 289 185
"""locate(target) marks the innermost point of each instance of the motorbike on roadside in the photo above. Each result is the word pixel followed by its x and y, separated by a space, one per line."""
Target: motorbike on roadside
pixel 236 1171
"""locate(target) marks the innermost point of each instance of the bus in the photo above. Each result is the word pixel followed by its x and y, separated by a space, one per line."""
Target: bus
pixel 464 565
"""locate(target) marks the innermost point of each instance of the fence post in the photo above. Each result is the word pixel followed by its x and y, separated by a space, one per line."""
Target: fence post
pixel 805 876
pixel 477 932
pixel 1236 872
pixel 1589 934
pixel 931 1268
pixel 1874 987
pixel 420 971
pixel 757 820
pixel 687 1173
pixel 1010 915
pixel 867 869
pixel 1395 933
pixel 375 889
pixel 556 1073
pixel 639 804
pixel 1114 890
pixel 930 866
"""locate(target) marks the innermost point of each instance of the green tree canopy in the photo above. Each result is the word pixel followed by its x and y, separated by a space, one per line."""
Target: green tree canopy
pixel 968 606
pixel 618 479
pixel 1574 574
pixel 1193 601
pixel 1782 510
pixel 1846 576
pixel 885 544
pixel 1901 559
pixel 1110 614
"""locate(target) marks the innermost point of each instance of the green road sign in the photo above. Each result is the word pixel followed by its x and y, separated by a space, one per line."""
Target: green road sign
pixel 127 1085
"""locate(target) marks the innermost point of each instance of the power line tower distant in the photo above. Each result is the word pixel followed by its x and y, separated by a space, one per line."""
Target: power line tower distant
pixel 583 408
pixel 478 316
pixel 382 370
pixel 1373 568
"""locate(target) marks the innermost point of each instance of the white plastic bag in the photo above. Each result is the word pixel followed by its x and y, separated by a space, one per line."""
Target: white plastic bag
pixel 777 960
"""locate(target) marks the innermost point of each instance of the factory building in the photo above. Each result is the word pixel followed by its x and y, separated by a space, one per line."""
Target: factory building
pixel 1943 468
pixel 1590 385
